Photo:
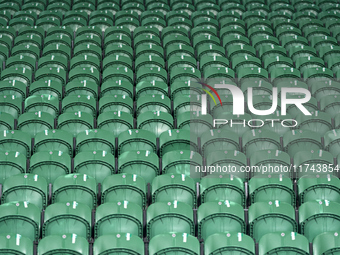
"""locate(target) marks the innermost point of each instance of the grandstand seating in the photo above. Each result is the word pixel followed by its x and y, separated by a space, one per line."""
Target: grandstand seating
pixel 106 148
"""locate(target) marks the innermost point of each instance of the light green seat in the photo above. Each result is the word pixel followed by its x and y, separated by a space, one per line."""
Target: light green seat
pixel 32 123
pixel 314 214
pixel 218 217
pixel 17 141
pixel 115 122
pixel 118 217
pixel 169 217
pixel 301 140
pixel 136 139
pixel 326 242
pixel 125 186
pixel 75 122
pixel 67 217
pixel 271 216
pixel 95 140
pixel 15 244
pixel 75 187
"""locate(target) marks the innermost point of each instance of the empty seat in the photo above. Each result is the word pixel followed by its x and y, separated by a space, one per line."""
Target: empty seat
pixel 225 243
pixel 257 139
pixel 324 187
pixel 32 123
pixel 42 103
pixel 156 122
pixel 267 188
pixel 316 217
pixel 125 186
pixel 50 164
pixel 95 140
pixel 16 244
pixel 271 216
pixel 17 141
pixel 174 187
pixel 312 162
pixel 121 242
pixel 169 217
pixel 12 163
pixel 136 140
pixel 301 140
pixel 69 243
pixel 67 217
pixel 50 87
pixel 273 243
pixel 25 187
pixel 331 142
pixel 53 140
pixel 84 104
pixel 325 242
pixel 118 217
pixel 218 217
pixel 179 243
pixel 6 121
pixel 22 218
pixel 75 122
pixel 115 122
pixel 147 162
pixel 75 187
pixel 11 105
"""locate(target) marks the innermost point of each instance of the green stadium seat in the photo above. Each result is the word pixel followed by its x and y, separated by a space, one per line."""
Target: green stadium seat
pixel 218 217
pixel 169 15
pixel 182 243
pixel 122 242
pixel 229 242
pixel 118 217
pixel 182 162
pixel 82 103
pixel 154 103
pixel 4 52
pixel 136 140
pixel 214 189
pixel 42 103
pixel 326 242
pixel 156 22
pixel 97 164
pixel 161 218
pixel 305 63
pixel 292 41
pixel 240 62
pixel 75 187
pixel 115 122
pixel 148 30
pixel 219 74
pixel 101 14
pixel 13 87
pixel 58 7
pixel 88 49
pixel 17 141
pixel 311 105
pixel 272 50
pixel 177 140
pixel 177 50
pixel 226 163
pixel 52 61
pixel 317 74
pixel 28 39
pixel 182 61
pixel 83 88
pixel 224 140
pixel 111 7
pixel 312 162
pixel 19 23
pixel 272 63
pixel 115 103
pixel 49 87
pixel 258 139
pixel 119 87
pixel 16 244
pixel 95 140
pixel 301 140
pixel 151 73
pixel 116 74
pixel 195 122
pixel 174 31
pixel 32 123
pixel 186 103
pixel 70 243
pixel 22 218
pixel 21 74
pixel 318 122
pixel 314 214
pixel 85 38
pixel 272 243
pixel 50 164
pixel 117 61
pixel 92 31
pixel 147 161
pixel 156 122
pixel 61 218
pixel 271 216
pixel 74 22
pixel 30 188
pixel 124 186
pixel 145 88
pixel 174 187
pixel 269 188
pixel 325 187
pixel 51 73
pixel 130 23
pixel 12 163
pixel 331 142
pixel 21 61
pixel 117 39
pixel 75 122
pixel 284 73
pixel 248 73
pixel 6 121
pixel 57 49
